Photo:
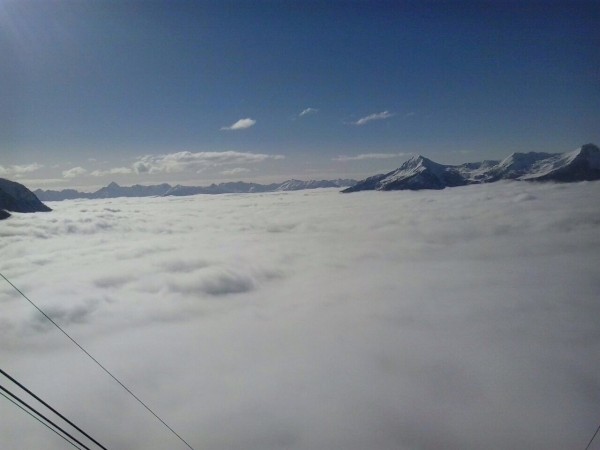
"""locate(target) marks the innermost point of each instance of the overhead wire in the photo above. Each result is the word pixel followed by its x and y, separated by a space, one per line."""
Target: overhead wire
pixel 98 363
pixel 593 437
pixel 52 409
pixel 50 422
pixel 39 420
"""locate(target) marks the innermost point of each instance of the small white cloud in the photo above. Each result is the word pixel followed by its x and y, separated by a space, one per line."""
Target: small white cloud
pixel 241 124
pixel 308 111
pixel 364 156
pixel 3 171
pixel 377 116
pixel 74 172
pixel 235 171
pixel 113 171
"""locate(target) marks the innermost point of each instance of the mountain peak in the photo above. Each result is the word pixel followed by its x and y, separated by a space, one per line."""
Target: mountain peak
pixel 417 159
pixel 589 150
pixel 421 173
pixel 113 185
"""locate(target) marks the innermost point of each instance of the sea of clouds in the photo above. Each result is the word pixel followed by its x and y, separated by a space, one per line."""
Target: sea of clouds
pixel 458 319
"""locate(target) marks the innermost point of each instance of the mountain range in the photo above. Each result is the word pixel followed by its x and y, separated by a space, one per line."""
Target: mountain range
pixel 419 172
pixel 113 190
pixel 17 198
pixel 582 164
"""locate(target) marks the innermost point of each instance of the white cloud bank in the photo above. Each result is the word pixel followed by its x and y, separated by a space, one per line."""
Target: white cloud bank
pixel 460 319
pixel 367 156
pixel 370 118
pixel 241 124
pixel 180 161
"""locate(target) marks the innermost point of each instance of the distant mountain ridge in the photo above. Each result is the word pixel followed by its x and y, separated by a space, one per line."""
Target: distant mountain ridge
pixel 113 190
pixel 419 172
pixel 17 198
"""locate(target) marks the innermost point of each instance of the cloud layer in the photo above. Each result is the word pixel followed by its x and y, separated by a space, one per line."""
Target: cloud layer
pixel 74 172
pixel 19 170
pixel 180 161
pixel 113 171
pixel 456 319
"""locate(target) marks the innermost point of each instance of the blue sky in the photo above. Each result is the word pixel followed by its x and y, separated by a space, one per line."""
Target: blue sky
pixel 144 92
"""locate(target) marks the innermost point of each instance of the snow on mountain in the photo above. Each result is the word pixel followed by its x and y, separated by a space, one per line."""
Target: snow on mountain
pixel 419 172
pixel 17 198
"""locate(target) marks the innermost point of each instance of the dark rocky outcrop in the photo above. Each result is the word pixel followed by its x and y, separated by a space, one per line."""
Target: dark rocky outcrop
pixel 17 198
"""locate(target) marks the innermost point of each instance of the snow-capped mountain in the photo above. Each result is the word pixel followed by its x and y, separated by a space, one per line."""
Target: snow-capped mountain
pixel 113 190
pixel 17 198
pixel 419 172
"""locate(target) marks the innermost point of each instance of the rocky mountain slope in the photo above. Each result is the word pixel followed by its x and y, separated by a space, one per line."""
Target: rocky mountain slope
pixel 17 198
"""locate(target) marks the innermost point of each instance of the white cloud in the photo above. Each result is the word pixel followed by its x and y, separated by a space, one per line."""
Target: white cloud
pixel 141 166
pixel 308 111
pixel 18 170
pixel 241 124
pixel 377 116
pixel 235 171
pixel 311 319
pixel 113 171
pixel 366 156
pixel 180 161
pixel 26 168
pixel 74 172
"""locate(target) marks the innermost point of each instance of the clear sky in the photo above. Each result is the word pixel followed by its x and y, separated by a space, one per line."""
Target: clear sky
pixel 195 92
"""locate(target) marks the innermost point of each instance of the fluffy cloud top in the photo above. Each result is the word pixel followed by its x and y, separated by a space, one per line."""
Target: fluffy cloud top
pixel 377 116
pixel 180 161
pixel 365 156
pixel 241 124
pixel 74 172
pixel 460 319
